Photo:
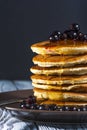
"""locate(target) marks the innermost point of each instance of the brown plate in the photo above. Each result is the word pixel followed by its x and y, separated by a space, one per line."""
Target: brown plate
pixel 13 105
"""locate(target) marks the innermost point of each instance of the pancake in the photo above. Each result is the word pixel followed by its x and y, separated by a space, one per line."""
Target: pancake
pixel 59 96
pixel 56 60
pixel 58 80
pixel 59 71
pixel 66 88
pixel 49 102
pixel 62 47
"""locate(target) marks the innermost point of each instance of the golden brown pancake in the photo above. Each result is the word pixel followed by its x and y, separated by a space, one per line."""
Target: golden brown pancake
pixel 56 60
pixel 59 71
pixel 60 103
pixel 63 47
pixel 58 80
pixel 66 88
pixel 59 96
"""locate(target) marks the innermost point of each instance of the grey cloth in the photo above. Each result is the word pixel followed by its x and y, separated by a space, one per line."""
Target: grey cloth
pixel 7 120
pixel 10 122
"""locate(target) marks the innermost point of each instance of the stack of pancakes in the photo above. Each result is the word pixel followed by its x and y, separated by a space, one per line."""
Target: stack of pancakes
pixel 60 72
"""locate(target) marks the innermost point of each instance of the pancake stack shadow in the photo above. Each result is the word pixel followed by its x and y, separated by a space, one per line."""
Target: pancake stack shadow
pixel 60 72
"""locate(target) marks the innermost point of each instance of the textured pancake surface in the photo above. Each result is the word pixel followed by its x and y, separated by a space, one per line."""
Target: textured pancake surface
pixel 56 60
pixel 59 71
pixel 61 103
pixel 59 80
pixel 59 96
pixel 63 47
pixel 72 88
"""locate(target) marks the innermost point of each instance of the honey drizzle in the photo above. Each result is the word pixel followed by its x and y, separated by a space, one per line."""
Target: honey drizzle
pixel 73 46
pixel 60 77
pixel 61 73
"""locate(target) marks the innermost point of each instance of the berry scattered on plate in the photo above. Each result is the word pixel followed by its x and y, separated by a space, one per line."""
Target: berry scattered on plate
pixel 30 103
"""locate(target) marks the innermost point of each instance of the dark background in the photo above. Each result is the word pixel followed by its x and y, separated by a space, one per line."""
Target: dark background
pixel 24 22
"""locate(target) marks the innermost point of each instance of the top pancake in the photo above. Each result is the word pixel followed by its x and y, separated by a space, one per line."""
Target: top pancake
pixel 62 47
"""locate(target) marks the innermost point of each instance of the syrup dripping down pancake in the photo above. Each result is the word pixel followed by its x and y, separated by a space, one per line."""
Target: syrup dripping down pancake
pixel 56 60
pixel 61 103
pixel 59 71
pixel 59 96
pixel 59 80
pixel 82 88
pixel 62 47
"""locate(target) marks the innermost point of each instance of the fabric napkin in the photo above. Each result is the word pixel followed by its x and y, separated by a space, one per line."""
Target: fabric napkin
pixel 9 122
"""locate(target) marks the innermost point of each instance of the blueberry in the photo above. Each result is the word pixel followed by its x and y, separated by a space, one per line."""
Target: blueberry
pixel 84 108
pixel 58 33
pixel 63 108
pixel 80 108
pixel 60 108
pixel 73 35
pixel 82 37
pixel 52 107
pixel 41 107
pixel 66 108
pixel 65 34
pixel 72 108
pixel 31 99
pixel 23 104
pixel 70 34
pixel 75 27
pixel 34 99
pixel 55 36
pixel 28 105
pixel 33 106
pixel 55 107
pixel 85 37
